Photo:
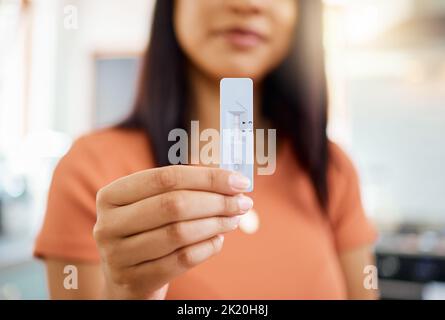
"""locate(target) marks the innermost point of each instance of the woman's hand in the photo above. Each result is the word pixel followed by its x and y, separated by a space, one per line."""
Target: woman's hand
pixel 156 224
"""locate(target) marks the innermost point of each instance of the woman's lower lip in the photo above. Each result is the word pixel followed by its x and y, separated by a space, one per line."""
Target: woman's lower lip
pixel 242 39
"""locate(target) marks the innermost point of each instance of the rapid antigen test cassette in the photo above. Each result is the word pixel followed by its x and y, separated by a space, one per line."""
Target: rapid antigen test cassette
pixel 236 127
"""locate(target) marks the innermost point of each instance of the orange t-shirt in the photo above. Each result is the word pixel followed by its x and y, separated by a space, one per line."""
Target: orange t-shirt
pixel 293 255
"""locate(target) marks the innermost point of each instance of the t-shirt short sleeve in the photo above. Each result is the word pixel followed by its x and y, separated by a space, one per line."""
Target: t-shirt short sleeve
pixel 351 226
pixel 71 213
pixel 94 161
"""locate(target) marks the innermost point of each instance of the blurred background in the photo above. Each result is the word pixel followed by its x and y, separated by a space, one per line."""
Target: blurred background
pixel 70 66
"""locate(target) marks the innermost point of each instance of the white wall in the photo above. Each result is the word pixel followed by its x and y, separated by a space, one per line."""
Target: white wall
pixel 61 86
pixel 105 27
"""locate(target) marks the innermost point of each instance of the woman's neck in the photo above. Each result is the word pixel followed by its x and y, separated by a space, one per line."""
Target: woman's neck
pixel 205 100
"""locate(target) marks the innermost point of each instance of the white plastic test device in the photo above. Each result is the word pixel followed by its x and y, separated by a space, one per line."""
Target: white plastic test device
pixel 236 127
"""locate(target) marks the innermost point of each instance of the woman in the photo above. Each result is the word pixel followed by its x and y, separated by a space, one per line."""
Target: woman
pixel 159 229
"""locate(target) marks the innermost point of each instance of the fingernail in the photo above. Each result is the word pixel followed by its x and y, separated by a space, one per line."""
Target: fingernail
pixel 238 182
pixel 245 203
pixel 233 222
pixel 221 238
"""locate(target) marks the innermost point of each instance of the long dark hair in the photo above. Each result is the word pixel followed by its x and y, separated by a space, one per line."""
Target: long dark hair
pixel 294 94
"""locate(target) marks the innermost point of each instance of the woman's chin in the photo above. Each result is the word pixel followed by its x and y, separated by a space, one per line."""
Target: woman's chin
pixel 229 65
pixel 239 72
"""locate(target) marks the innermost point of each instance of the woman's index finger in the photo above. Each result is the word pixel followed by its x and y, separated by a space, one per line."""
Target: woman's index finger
pixel 151 182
